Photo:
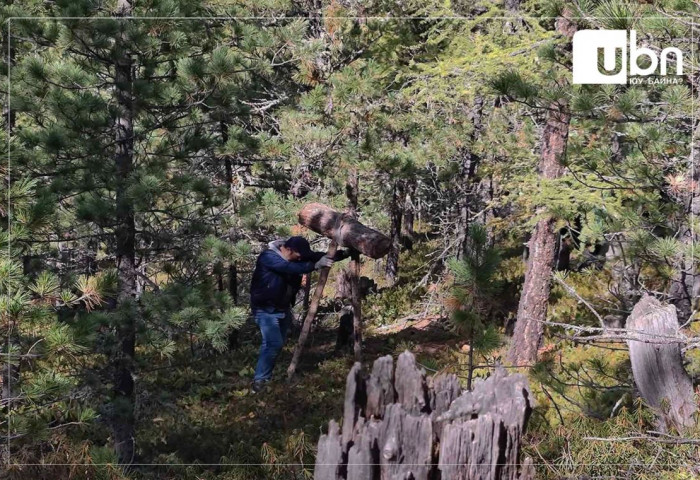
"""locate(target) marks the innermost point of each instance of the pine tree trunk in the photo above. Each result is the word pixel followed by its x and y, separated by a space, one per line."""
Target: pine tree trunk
pixel 470 162
pixel 123 415
pixel 532 309
pixel 233 292
pixel 392 259
pixel 352 190
pixel 409 216
pixel 685 285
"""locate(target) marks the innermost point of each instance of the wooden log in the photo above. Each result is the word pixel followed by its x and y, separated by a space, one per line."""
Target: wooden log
pixel 658 367
pixel 344 229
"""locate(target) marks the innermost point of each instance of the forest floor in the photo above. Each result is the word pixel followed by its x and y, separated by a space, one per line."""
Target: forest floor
pixel 201 410
pixel 199 418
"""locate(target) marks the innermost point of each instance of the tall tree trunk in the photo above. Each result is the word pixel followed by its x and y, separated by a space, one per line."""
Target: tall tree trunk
pixel 233 292
pixel 532 309
pixel 470 162
pixel 684 291
pixel 409 216
pixel 624 268
pixel 352 191
pixel 396 212
pixel 123 361
pixel 232 268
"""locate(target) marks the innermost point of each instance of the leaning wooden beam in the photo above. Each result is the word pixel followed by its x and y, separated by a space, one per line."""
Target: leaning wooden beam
pixel 313 307
pixel 344 229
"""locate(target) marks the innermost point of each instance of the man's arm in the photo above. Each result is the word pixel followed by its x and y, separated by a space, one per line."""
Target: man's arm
pixel 278 264
pixel 339 255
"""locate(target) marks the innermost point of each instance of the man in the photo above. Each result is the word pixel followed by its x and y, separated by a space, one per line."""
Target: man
pixel 276 281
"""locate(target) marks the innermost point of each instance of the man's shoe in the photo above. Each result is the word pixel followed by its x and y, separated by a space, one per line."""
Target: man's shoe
pixel 258 386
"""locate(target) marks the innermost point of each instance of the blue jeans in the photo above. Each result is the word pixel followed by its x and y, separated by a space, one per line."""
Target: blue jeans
pixel 274 326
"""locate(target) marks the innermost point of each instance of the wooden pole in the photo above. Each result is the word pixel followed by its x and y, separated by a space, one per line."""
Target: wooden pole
pixel 356 306
pixel 306 328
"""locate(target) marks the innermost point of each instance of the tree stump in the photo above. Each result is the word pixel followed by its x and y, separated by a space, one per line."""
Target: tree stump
pixel 400 425
pixel 658 367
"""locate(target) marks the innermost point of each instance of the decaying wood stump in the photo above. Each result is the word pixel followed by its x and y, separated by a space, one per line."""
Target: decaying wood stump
pixel 658 367
pixel 344 229
pixel 400 425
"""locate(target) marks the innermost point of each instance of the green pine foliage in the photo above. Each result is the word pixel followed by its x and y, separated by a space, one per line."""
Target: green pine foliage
pixel 474 295
pixel 240 122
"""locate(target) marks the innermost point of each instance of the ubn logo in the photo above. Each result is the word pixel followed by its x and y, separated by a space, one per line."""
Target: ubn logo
pixel 589 45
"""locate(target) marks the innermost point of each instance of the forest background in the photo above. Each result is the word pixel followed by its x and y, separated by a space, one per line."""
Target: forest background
pixel 150 159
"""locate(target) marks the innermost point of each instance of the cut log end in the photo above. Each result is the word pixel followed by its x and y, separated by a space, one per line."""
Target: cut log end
pixel 344 229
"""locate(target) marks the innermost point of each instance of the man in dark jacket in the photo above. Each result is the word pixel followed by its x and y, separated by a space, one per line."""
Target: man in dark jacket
pixel 276 281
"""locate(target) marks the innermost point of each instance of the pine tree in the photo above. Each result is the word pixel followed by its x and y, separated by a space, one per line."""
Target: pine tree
pixel 116 114
pixel 474 294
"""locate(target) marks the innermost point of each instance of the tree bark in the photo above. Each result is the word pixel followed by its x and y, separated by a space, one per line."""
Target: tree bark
pixel 352 190
pixel 532 308
pixel 123 429
pixel 396 212
pixel 409 216
pixel 470 163
pixel 685 285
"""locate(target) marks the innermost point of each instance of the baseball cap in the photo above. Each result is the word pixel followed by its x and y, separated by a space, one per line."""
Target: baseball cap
pixel 300 245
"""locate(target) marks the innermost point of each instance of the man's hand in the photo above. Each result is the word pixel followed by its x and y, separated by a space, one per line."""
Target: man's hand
pixel 346 253
pixel 325 262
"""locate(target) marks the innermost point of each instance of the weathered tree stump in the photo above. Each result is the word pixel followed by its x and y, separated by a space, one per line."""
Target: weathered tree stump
pixel 400 425
pixel 344 229
pixel 658 367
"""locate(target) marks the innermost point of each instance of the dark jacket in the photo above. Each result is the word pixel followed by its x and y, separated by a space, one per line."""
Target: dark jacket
pixel 276 281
